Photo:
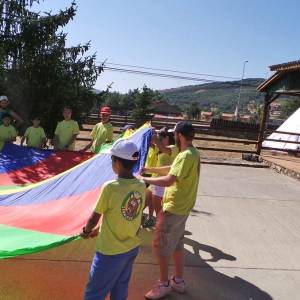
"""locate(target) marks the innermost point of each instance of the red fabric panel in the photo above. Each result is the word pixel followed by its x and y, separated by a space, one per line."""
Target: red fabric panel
pixel 66 216
pixel 57 163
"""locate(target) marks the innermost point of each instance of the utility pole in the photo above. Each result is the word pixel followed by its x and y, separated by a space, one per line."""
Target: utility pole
pixel 237 110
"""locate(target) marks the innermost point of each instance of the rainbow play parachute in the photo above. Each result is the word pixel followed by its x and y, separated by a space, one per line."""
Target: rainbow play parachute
pixel 51 212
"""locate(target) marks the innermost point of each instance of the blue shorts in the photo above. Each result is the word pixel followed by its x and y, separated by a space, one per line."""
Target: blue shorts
pixel 110 274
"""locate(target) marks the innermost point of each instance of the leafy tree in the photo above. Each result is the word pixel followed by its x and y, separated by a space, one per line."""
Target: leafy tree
pixel 37 71
pixel 289 107
pixel 127 103
pixel 114 101
pixel 258 114
pixel 142 105
pixel 193 111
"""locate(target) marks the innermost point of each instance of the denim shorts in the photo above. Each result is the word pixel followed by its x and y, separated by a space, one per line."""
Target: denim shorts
pixel 110 274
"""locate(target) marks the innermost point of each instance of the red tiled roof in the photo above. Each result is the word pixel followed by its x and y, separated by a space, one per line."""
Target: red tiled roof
pixel 207 113
pixel 162 107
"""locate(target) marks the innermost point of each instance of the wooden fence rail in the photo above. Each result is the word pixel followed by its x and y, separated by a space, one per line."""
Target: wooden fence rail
pixel 198 138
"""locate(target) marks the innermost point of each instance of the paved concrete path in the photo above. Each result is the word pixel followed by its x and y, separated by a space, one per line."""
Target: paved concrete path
pixel 242 242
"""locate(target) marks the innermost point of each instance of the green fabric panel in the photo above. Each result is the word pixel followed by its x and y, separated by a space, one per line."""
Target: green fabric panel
pixel 12 187
pixel 17 241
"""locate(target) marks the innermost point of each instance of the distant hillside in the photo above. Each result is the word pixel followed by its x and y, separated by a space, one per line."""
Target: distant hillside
pixel 223 95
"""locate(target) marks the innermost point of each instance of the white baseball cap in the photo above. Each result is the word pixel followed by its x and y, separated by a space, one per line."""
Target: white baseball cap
pixel 125 149
pixel 3 98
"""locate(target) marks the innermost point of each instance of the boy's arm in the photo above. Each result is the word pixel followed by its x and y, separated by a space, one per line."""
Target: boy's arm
pixel 24 137
pixel 43 143
pixel 93 137
pixel 22 140
pixel 88 229
pixel 88 146
pixel 109 138
pixel 55 141
pixel 163 181
pixel 74 136
pixel 91 228
pixel 17 118
pixel 158 170
pixel 73 139
pixel 14 136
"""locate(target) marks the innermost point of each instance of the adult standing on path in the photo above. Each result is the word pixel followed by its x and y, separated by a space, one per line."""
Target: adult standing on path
pixel 181 180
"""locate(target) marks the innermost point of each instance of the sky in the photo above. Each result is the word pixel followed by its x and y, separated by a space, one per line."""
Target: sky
pixel 208 37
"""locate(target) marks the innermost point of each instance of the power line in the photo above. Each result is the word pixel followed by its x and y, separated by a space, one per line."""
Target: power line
pixel 157 74
pixel 172 71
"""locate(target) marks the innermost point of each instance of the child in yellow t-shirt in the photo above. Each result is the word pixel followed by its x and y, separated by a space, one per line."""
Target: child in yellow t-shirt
pixel 163 159
pixel 120 204
pixel 7 132
pixel 34 135
pixel 102 132
pixel 66 132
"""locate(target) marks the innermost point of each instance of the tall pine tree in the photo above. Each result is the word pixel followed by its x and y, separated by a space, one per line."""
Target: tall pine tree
pixel 38 72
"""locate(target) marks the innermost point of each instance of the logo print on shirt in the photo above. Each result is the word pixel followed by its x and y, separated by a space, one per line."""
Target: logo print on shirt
pixel 131 205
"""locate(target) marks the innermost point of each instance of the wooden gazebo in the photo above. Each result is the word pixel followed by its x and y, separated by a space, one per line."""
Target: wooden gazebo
pixel 285 81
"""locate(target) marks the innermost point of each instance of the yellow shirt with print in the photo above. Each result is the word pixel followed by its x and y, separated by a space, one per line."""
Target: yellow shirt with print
pixel 121 203
pixel 65 131
pixel 180 197
pixel 34 136
pixel 7 133
pixel 101 133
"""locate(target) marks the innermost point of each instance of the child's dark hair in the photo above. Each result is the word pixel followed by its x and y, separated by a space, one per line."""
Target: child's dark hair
pixel 171 138
pixel 163 132
pixel 35 117
pixel 68 107
pixel 5 115
pixel 127 164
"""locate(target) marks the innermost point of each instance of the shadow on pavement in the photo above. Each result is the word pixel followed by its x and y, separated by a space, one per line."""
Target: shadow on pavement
pixel 206 283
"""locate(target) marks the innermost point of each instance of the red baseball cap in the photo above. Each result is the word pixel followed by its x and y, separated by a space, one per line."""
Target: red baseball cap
pixel 105 110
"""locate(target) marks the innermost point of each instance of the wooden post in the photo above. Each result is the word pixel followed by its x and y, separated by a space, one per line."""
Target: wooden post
pixel 263 123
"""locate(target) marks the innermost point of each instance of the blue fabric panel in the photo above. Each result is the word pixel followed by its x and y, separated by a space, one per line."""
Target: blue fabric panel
pixel 13 157
pixel 90 175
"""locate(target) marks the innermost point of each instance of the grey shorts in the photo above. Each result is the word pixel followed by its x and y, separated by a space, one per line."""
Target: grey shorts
pixel 169 233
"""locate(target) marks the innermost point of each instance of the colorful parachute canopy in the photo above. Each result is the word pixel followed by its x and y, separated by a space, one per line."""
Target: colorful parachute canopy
pixel 25 165
pixel 53 212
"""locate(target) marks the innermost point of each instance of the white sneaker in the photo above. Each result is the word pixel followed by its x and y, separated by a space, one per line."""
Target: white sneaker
pixel 178 287
pixel 159 291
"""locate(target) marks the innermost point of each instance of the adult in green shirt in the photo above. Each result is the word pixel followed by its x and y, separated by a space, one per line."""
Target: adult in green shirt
pixel 102 132
pixel 4 109
pixel 181 182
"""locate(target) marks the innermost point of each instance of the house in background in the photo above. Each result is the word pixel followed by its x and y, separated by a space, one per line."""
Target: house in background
pixel 207 115
pixel 228 117
pixel 246 118
pixel 165 109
